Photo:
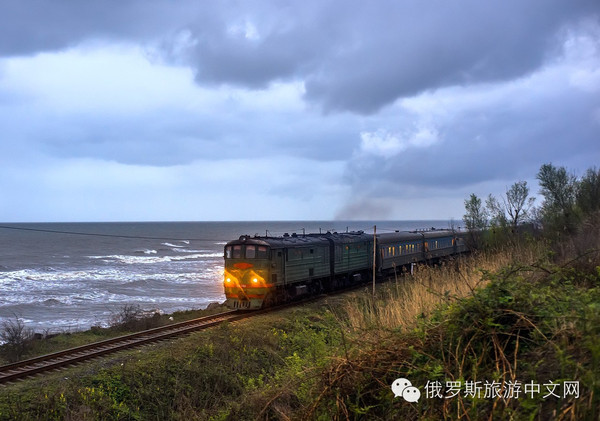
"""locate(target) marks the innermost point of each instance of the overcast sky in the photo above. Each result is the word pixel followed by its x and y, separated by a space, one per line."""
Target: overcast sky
pixel 273 110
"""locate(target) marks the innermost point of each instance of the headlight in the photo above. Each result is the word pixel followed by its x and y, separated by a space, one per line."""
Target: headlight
pixel 228 280
pixel 255 280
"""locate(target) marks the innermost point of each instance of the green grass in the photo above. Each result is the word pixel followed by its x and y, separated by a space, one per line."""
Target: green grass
pixel 66 340
pixel 209 374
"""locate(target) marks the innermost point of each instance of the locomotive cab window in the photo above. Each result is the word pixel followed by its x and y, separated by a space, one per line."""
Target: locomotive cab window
pixel 250 252
pixel 262 252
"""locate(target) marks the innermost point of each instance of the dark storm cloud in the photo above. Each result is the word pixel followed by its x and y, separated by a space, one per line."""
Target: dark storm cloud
pixel 353 56
pixel 32 26
pixel 360 57
pixel 507 141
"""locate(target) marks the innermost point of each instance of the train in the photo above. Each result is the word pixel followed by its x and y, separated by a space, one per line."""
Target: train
pixel 263 271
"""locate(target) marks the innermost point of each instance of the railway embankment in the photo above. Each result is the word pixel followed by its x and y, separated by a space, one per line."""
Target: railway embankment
pixel 509 333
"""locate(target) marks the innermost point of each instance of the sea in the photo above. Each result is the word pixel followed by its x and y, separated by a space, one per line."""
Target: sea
pixel 65 277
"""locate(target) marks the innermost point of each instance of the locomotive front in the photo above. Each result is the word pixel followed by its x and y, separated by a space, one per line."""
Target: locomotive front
pixel 247 266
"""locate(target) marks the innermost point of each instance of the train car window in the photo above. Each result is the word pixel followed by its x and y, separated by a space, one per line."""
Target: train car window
pixel 295 254
pixel 237 252
pixel 250 252
pixel 262 252
pixel 228 252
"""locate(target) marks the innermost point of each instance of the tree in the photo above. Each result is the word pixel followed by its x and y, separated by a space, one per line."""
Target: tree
pixel 588 193
pixel 476 215
pixel 495 211
pixel 518 203
pixel 475 219
pixel 559 189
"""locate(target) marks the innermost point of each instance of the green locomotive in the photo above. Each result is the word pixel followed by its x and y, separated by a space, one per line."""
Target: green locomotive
pixel 264 271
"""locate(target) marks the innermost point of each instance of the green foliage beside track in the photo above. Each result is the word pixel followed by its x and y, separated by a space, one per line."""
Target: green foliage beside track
pixel 210 374
pixel 530 323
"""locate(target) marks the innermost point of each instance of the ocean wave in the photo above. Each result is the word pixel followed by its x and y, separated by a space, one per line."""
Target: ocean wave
pixel 182 250
pixel 52 301
pixel 146 251
pixel 175 245
pixel 26 280
pixel 145 260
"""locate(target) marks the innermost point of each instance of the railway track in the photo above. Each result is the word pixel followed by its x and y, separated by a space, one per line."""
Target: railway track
pixel 27 368
pixel 50 362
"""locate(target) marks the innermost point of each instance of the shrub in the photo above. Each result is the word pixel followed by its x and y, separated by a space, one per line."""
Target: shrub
pixel 16 337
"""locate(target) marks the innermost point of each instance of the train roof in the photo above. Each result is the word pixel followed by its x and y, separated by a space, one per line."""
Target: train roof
pixel 393 237
pixel 300 240
pixel 439 233
pixel 398 236
pixel 314 239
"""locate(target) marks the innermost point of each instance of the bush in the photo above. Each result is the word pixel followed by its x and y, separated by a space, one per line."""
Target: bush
pixel 131 317
pixel 16 337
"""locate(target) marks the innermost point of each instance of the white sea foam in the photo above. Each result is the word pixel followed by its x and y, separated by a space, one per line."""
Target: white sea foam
pixel 134 260
pixel 147 251
pixel 173 245
pixel 182 250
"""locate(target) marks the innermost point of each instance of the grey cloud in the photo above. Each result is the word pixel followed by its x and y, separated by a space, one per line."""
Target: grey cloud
pixel 363 57
pixel 509 142
pixel 355 60
pixel 352 56
pixel 179 137
pixel 32 26
pixel 411 49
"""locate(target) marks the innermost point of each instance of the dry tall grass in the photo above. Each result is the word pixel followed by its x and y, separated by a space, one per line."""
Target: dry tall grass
pixel 398 304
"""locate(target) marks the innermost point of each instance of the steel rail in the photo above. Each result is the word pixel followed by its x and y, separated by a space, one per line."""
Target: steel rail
pixel 57 360
pixel 60 359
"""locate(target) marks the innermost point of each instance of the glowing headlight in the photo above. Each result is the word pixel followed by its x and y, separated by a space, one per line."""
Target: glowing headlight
pixel 255 281
pixel 228 280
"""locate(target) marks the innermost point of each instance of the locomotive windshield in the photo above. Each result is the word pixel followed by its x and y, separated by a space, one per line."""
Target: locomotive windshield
pixel 246 252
